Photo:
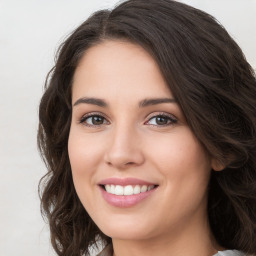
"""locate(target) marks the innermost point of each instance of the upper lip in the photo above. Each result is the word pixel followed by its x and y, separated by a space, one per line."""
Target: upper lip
pixel 125 181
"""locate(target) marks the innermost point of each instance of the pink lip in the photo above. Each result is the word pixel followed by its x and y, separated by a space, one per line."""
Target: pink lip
pixel 124 181
pixel 125 201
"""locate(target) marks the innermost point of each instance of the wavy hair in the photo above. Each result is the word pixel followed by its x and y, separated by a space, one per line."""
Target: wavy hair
pixel 213 84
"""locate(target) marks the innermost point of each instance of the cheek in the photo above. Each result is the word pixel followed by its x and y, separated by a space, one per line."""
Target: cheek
pixel 185 166
pixel 84 156
pixel 84 153
pixel 178 153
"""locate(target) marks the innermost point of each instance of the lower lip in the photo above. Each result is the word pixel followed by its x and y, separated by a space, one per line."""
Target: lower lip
pixel 125 201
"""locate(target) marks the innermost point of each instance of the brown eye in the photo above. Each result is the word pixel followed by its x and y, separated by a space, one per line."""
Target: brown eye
pixel 97 120
pixel 93 120
pixel 161 120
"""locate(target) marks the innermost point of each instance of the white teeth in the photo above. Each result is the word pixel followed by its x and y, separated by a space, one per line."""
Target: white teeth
pixel 136 190
pixel 143 188
pixel 119 190
pixel 112 189
pixel 127 190
pixel 108 188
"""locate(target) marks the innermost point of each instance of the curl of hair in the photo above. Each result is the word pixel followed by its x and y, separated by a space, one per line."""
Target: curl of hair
pixel 215 88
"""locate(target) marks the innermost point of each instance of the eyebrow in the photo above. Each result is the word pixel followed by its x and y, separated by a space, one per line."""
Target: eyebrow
pixel 93 101
pixel 143 103
pixel 155 101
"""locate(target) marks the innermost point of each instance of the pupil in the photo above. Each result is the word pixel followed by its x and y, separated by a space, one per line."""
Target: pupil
pixel 97 120
pixel 161 120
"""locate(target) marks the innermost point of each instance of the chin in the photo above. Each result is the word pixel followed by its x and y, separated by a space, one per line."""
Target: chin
pixel 126 234
pixel 129 229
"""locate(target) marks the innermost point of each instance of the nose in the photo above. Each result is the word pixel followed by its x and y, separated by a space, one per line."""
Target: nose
pixel 124 149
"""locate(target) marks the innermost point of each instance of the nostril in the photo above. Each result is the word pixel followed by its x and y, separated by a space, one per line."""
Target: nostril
pixel 129 163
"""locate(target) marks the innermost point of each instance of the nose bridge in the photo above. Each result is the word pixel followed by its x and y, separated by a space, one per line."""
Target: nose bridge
pixel 124 147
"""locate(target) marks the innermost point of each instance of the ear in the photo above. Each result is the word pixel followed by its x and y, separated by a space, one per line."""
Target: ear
pixel 217 165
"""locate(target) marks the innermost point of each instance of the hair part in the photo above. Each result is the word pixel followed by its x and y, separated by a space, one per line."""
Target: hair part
pixel 215 88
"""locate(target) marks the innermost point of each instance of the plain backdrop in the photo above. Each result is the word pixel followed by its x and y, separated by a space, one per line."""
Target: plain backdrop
pixel 30 32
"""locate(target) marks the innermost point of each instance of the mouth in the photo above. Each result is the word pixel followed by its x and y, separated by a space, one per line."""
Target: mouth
pixel 128 190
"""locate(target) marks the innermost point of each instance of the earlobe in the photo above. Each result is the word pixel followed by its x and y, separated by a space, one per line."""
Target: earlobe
pixel 217 165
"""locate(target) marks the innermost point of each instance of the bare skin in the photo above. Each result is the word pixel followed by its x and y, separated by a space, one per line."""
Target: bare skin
pixel 117 133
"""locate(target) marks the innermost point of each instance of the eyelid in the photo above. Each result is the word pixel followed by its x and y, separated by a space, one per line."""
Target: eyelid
pixel 173 119
pixel 85 116
pixel 154 114
pixel 150 116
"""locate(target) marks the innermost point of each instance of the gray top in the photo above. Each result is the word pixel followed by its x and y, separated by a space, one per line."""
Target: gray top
pixel 229 253
pixel 108 251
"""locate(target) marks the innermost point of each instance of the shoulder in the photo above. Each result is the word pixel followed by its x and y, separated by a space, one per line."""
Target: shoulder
pixel 229 253
pixel 107 251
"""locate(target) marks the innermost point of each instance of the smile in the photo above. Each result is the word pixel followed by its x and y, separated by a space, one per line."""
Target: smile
pixel 126 192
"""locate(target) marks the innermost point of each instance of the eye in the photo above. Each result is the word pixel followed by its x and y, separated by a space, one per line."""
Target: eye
pixel 161 120
pixel 93 120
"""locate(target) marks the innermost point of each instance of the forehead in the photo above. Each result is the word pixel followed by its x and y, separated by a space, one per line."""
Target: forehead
pixel 119 67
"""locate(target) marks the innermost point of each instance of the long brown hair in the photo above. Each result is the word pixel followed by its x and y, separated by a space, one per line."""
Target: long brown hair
pixel 215 88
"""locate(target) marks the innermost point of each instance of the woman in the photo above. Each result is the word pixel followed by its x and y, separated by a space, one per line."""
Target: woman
pixel 148 130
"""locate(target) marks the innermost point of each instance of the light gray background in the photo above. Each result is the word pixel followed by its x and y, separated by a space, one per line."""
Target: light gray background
pixel 30 32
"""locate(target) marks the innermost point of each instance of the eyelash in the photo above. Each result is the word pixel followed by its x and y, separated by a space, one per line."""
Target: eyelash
pixel 93 114
pixel 170 119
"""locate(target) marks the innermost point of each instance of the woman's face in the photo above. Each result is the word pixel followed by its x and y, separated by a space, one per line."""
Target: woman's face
pixel 128 135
